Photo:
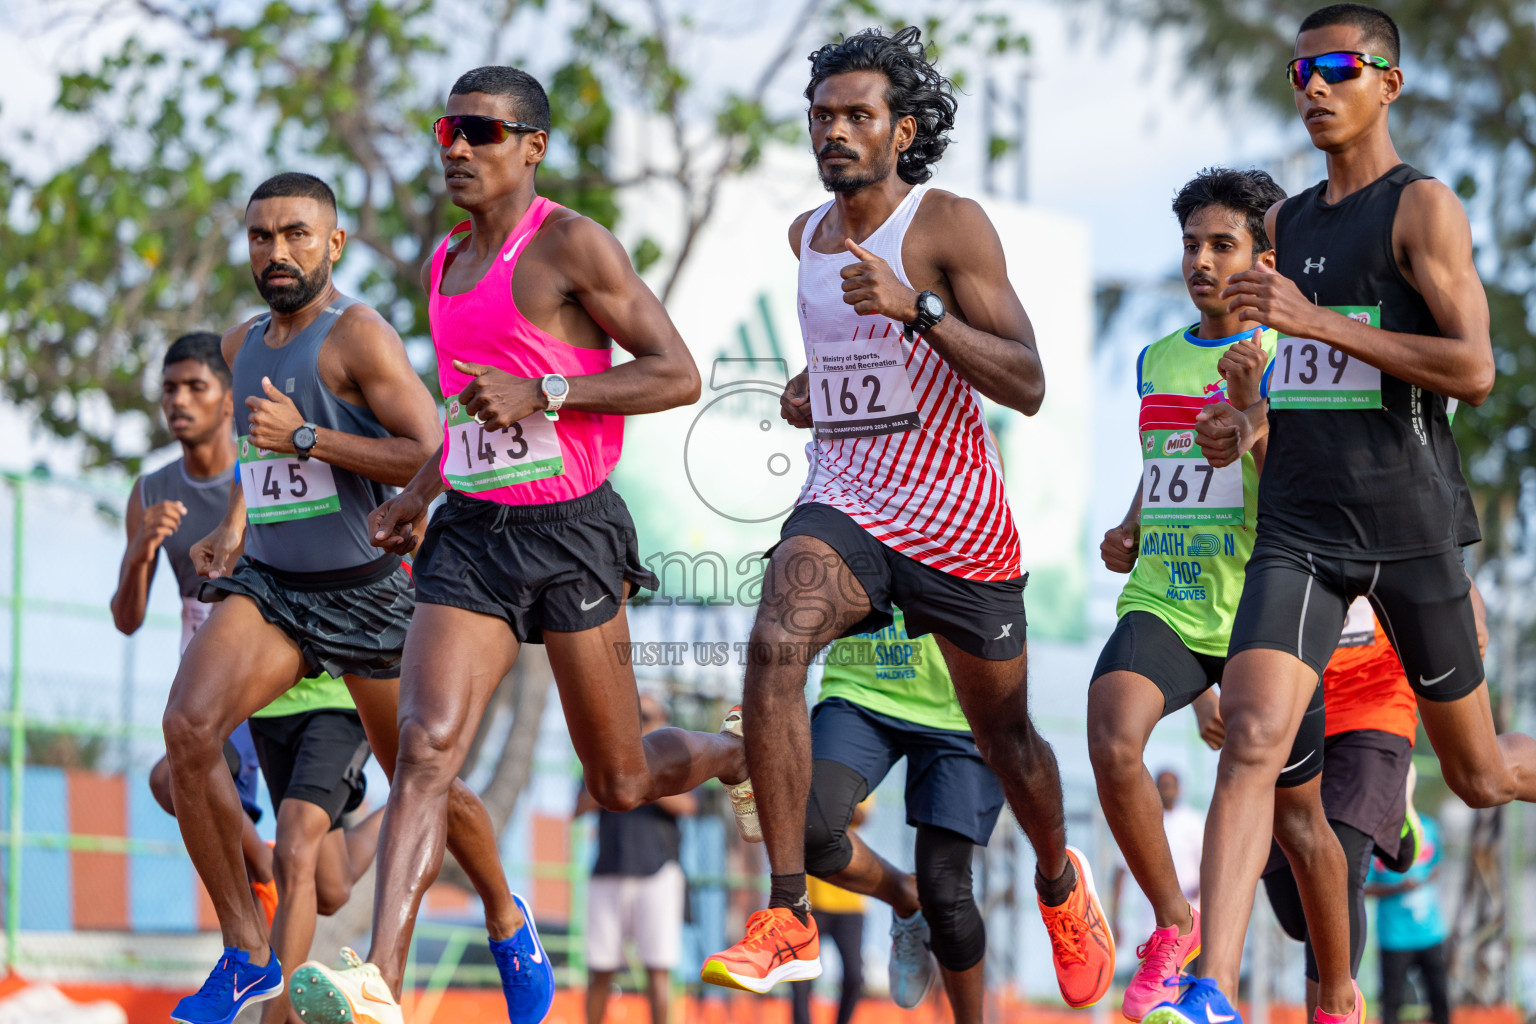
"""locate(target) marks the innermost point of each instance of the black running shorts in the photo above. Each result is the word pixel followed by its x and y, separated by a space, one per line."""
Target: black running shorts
pixel 1146 645
pixel 314 756
pixel 1295 601
pixel 560 566
pixel 348 622
pixel 982 618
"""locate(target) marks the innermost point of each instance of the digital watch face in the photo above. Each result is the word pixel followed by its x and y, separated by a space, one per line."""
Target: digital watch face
pixel 555 387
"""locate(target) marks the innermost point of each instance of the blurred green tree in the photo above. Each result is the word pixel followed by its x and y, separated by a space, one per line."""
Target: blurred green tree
pixel 108 257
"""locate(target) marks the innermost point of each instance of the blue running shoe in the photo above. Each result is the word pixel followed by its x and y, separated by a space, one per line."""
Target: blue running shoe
pixel 234 984
pixel 527 979
pixel 1200 1003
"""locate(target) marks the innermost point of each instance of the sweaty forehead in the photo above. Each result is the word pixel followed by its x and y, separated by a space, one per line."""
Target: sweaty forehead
pixel 852 88
pixel 1213 220
pixel 185 371
pixel 1330 38
pixel 281 211
pixel 483 104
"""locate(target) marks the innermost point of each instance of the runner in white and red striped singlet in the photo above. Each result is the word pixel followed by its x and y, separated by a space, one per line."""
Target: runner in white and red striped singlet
pixel 908 319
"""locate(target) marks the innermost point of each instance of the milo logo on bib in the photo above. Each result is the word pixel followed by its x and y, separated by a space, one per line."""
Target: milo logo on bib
pixel 1179 443
pixel 1310 374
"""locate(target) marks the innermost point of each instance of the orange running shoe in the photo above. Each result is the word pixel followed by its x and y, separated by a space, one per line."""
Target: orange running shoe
pixel 266 896
pixel 1081 943
pixel 777 948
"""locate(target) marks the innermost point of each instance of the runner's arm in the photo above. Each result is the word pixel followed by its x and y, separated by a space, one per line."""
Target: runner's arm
pixel 663 374
pixel 1119 548
pixel 991 342
pixel 1435 238
pixel 136 573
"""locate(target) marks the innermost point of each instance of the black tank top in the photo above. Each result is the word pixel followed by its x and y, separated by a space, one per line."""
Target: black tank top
pixel 1365 484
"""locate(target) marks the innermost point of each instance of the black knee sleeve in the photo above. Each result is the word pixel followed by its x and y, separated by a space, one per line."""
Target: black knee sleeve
pixel 958 933
pixel 836 790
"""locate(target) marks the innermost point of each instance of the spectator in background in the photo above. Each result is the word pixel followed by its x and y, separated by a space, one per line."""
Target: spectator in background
pixel 1185 828
pixel 1411 929
pixel 637 889
pixel 839 916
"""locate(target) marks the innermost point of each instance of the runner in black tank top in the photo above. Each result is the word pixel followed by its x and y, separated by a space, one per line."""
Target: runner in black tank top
pixel 1361 494
pixel 332 414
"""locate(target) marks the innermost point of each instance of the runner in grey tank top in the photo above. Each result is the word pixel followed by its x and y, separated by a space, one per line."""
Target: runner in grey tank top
pixel 305 514
pixel 204 499
pixel 331 416
pixel 172 508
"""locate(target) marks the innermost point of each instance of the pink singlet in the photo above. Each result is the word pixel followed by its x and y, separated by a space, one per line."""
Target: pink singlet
pixel 538 461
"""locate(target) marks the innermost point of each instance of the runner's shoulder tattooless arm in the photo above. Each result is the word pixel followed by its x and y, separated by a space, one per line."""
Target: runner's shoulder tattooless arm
pixel 375 361
pixel 1433 242
pixel 986 335
pixel 662 374
pixel 135 574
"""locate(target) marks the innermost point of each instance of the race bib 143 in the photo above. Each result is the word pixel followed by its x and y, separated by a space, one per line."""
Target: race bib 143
pixel 280 488
pixel 478 459
pixel 1309 374
pixel 1179 487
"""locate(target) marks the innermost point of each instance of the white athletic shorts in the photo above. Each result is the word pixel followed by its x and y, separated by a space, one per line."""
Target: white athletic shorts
pixel 647 911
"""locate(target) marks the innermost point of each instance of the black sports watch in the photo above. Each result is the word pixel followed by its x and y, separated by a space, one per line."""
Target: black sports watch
pixel 304 439
pixel 930 310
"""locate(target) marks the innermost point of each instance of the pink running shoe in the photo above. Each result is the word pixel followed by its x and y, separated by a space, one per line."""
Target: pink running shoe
pixel 1322 1016
pixel 1162 956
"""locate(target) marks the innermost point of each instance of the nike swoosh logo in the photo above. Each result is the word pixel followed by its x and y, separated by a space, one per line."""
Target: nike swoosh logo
pixel 587 606
pixel 1219 1018
pixel 537 956
pixel 1439 678
pixel 370 996
pixel 1287 768
pixel 240 992
pixel 511 253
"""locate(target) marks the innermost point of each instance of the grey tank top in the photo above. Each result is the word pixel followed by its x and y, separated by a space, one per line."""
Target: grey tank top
pixel 206 500
pixel 303 517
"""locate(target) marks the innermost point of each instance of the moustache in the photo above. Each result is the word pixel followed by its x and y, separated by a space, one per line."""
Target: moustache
pixel 279 268
pixel 834 149
pixel 1203 279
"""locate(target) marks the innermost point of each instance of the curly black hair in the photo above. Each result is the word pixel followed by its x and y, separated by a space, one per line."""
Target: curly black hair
pixel 916 89
pixel 1249 193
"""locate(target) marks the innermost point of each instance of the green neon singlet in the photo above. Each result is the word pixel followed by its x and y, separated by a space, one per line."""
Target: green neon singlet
pixel 894 674
pixel 1197 522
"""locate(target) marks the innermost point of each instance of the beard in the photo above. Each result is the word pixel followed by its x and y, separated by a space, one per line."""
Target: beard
pixel 855 176
pixel 290 298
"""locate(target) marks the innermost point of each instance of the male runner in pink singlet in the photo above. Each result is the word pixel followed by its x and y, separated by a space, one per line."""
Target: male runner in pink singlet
pixel 533 544
pixel 908 319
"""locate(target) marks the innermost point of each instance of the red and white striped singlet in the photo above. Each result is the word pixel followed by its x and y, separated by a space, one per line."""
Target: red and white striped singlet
pixel 934 493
